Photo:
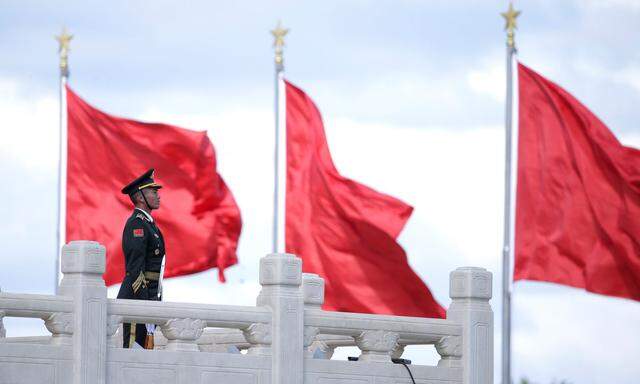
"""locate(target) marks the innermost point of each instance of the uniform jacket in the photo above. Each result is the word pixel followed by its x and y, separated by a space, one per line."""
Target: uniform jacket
pixel 143 248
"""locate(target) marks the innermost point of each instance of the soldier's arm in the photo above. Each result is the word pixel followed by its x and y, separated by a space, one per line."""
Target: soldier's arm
pixel 136 238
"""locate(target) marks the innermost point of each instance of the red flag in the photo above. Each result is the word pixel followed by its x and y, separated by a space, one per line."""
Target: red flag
pixel 578 195
pixel 198 217
pixel 343 230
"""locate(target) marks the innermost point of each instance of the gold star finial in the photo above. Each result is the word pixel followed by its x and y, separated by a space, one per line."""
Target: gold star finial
pixel 278 42
pixel 510 18
pixel 64 39
pixel 278 34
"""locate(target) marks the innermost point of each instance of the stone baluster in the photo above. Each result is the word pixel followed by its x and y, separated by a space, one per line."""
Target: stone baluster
pixel 313 294
pixel 182 334
pixel 376 345
pixel 113 324
pixel 398 351
pixel 159 341
pixel 322 350
pixel 3 332
pixel 259 336
pixel 61 327
pixel 470 291
pixel 83 263
pixel 281 277
pixel 450 350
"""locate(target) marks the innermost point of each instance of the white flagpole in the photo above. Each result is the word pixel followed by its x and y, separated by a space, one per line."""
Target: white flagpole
pixel 280 174
pixel 511 140
pixel 63 50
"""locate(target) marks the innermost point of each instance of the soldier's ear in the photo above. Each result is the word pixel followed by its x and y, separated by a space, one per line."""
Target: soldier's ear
pixel 136 198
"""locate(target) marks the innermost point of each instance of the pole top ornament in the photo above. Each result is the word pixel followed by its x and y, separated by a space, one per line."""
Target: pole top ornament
pixel 278 42
pixel 510 17
pixel 63 40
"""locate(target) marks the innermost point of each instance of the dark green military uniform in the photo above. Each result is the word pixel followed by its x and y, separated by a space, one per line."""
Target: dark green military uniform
pixel 143 248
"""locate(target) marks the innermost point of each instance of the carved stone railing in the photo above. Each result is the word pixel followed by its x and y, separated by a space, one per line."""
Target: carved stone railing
pixel 213 340
pixel 55 311
pixel 378 337
pixel 381 338
pixel 181 324
pixel 287 336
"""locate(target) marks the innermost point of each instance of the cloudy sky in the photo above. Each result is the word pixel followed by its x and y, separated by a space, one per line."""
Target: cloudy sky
pixel 412 94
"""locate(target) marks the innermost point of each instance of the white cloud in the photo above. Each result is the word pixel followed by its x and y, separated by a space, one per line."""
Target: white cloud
pixel 29 126
pixel 632 5
pixel 489 79
pixel 630 76
pixel 630 140
pixel 556 323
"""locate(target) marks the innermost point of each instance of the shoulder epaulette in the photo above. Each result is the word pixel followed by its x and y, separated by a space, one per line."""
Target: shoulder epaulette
pixel 141 216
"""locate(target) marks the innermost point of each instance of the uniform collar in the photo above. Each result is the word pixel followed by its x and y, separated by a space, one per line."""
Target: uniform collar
pixel 148 216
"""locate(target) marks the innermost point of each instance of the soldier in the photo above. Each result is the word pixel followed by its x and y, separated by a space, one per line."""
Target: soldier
pixel 143 248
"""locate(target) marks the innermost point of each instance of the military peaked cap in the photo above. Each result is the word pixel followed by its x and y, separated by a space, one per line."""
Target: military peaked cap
pixel 142 182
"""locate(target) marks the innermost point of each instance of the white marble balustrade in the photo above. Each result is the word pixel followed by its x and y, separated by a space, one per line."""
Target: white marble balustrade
pixel 285 339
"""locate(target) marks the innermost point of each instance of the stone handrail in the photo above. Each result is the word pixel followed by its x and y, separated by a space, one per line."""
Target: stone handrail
pixel 56 311
pixel 219 316
pixel 31 305
pixel 43 340
pixel 411 330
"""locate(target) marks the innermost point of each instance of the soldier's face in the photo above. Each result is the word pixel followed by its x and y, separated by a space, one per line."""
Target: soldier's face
pixel 153 197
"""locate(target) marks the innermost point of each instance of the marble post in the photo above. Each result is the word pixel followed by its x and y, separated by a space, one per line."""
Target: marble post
pixel 281 277
pixel 470 291
pixel 83 263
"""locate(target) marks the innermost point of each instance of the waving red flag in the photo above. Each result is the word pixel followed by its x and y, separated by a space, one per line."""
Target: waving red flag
pixel 578 197
pixel 198 217
pixel 343 230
